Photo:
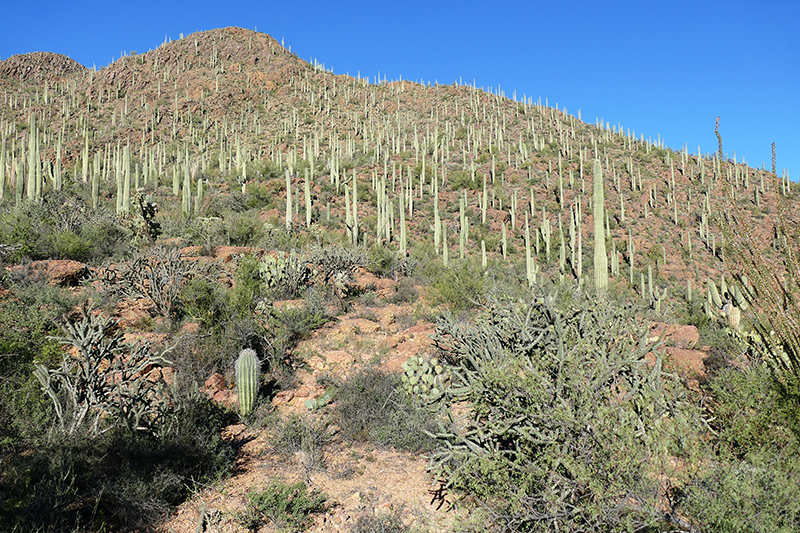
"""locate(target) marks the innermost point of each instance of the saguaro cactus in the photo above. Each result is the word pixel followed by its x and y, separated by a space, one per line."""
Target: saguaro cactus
pixel 600 255
pixel 248 377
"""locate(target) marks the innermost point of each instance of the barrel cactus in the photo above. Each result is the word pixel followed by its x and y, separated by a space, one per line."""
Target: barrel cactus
pixel 248 379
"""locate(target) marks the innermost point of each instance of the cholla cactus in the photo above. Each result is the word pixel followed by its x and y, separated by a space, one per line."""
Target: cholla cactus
pixel 248 380
pixel 106 382
pixel 423 379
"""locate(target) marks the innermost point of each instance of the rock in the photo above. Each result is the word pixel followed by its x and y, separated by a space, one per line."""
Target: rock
pixel 226 253
pixel 191 251
pixel 679 336
pixel 134 313
pixel 283 397
pixel 688 362
pixel 395 364
pixel 338 357
pixel 408 348
pixel 367 281
pixel 385 318
pixel 190 328
pixel 285 305
pixel 227 398
pixel 216 382
pixel 361 325
pixel 232 432
pixel 58 272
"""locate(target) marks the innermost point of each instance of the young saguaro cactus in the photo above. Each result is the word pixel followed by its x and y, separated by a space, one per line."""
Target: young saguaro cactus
pixel 248 378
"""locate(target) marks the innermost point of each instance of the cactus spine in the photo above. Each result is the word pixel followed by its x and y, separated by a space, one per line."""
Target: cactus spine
pixel 248 377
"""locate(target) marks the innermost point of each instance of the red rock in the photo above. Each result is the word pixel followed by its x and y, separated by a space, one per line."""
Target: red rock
pixel 678 335
pixel 338 357
pixel 688 362
pixel 191 251
pixel 227 398
pixel 284 305
pixel 59 272
pixel 216 382
pixel 226 253
pixel 191 328
pixel 134 313
pixel 395 364
pixel 283 397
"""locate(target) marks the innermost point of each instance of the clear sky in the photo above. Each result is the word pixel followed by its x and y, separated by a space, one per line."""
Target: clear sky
pixel 665 68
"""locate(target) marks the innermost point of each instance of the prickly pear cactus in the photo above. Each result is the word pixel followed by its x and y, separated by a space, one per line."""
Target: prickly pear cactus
pixel 285 273
pixel 424 379
pixel 248 379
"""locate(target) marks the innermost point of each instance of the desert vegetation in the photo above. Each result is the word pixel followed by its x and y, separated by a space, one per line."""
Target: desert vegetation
pixel 202 212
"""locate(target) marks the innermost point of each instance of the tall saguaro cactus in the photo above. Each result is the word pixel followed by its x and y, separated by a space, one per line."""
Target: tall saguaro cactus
pixel 600 255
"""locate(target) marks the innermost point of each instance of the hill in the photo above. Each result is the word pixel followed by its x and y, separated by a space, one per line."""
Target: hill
pixel 231 98
pixel 227 147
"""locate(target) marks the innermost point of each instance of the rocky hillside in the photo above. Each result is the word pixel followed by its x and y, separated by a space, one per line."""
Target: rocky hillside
pixel 220 193
pixel 218 105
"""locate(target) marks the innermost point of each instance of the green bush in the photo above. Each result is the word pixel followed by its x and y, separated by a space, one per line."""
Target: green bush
pixel 459 287
pixel 245 230
pixel 28 309
pixel 118 481
pixel 281 330
pixel 372 406
pixel 61 227
pixel 566 426
pixel 752 471
pixel 288 507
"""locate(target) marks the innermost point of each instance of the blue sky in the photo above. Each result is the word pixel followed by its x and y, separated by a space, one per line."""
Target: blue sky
pixel 665 68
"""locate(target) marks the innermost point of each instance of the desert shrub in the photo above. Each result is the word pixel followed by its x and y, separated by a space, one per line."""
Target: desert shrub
pixel 387 263
pixel 463 179
pixel 28 311
pixel 379 523
pixel 158 274
pixel 372 406
pixel 406 292
pixel 205 301
pixel 262 197
pixel 288 507
pixel 459 287
pixel 564 425
pixel 223 204
pixel 62 227
pixel 282 329
pixel 301 435
pixel 244 229
pixel 118 481
pixel 750 480
pixel 243 317
pixel 248 286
